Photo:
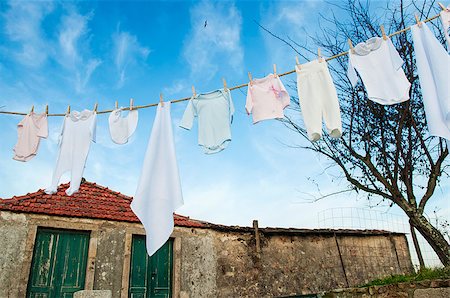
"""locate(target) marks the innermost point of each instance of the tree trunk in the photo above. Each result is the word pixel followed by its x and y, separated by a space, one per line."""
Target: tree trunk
pixel 433 237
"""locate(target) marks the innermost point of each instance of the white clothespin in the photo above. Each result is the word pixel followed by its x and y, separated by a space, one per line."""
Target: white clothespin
pixel 193 91
pixel 116 105
pixel 131 104
pixel 250 78
pixel 319 55
pixel 274 69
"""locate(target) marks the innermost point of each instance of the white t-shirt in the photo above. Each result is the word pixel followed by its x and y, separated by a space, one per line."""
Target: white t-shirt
pixel 380 68
pixel 75 140
pixel 121 128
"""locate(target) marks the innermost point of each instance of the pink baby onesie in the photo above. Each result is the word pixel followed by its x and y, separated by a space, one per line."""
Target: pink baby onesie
pixel 266 98
pixel 30 130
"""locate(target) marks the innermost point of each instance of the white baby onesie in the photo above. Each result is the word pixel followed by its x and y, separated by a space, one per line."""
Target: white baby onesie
pixel 380 67
pixel 433 67
pixel 30 130
pixel 121 128
pixel 77 132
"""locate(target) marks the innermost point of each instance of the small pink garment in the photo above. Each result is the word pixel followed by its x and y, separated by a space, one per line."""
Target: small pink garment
pixel 30 130
pixel 266 98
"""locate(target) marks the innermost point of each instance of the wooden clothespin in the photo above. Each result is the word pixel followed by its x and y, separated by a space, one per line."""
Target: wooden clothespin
pixel 46 109
pixel 131 104
pixel 442 6
pixel 95 107
pixel 193 91
pixel 383 33
pixel 116 105
pixel 350 44
pixel 419 24
pixel 296 61
pixel 274 69
pixel 161 101
pixel 68 110
pixel 250 77
pixel 319 55
pixel 225 88
pixel 32 109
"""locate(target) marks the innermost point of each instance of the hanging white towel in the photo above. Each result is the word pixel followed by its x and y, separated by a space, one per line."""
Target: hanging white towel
pixel 445 19
pixel 433 64
pixel 121 128
pixel 158 193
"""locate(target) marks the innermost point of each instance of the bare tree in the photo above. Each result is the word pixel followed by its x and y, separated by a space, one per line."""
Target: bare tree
pixel 385 151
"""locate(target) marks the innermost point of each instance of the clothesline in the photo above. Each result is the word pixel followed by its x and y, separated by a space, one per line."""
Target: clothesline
pixel 231 88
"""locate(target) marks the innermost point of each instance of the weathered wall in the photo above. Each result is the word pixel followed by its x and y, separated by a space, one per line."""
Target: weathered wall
pixel 218 262
pixel 13 235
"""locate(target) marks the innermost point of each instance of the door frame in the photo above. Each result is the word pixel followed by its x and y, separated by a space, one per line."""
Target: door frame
pixel 176 261
pixel 59 225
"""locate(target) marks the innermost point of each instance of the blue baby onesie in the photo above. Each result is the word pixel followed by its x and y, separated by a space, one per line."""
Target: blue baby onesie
pixel 215 114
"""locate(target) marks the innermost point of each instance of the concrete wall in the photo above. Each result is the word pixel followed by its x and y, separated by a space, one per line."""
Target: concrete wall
pixel 219 262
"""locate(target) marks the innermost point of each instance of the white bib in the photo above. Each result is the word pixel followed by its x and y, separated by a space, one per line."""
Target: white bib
pixel 121 128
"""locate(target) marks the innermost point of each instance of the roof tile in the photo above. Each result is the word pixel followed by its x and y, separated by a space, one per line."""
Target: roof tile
pixel 91 201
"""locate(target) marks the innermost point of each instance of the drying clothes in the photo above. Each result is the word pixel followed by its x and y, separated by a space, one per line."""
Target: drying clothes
pixel 214 111
pixel 30 130
pixel 380 68
pixel 266 98
pixel 433 65
pixel 318 99
pixel 158 193
pixel 77 132
pixel 121 128
pixel 445 18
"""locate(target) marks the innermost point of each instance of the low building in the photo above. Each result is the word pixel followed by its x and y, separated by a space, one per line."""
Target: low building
pixel 56 245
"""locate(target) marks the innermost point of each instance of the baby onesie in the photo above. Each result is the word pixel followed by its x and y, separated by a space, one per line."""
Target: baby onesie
pixel 214 111
pixel 77 132
pixel 30 130
pixel 380 67
pixel 266 98
pixel 433 65
pixel 121 128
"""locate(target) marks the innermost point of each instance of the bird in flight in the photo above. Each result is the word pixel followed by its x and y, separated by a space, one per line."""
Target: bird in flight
pixel 206 23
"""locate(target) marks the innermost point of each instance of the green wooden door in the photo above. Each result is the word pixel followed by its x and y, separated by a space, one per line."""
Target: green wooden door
pixel 150 276
pixel 58 267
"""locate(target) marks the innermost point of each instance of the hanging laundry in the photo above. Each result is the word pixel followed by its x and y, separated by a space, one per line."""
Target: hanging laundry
pixel 266 98
pixel 433 65
pixel 121 128
pixel 30 130
pixel 445 18
pixel 318 99
pixel 78 130
pixel 214 111
pixel 158 194
pixel 380 68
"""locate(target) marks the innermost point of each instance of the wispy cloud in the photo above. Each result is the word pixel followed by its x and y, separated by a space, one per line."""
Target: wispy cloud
pixel 73 39
pixel 207 47
pixel 127 51
pixel 23 26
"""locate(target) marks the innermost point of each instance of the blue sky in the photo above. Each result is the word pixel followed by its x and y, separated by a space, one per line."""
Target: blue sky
pixel 79 53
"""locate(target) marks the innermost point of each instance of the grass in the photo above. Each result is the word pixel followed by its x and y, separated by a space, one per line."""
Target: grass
pixel 423 274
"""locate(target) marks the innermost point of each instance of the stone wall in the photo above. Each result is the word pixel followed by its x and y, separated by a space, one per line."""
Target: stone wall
pixel 217 261
pixel 423 289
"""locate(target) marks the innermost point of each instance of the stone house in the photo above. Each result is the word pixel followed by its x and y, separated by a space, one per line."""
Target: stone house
pixel 56 245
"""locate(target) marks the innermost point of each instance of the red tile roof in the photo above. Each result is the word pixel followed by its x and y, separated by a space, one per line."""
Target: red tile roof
pixel 91 201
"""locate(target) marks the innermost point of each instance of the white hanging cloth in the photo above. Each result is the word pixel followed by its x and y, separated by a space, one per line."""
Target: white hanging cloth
pixel 433 65
pixel 158 192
